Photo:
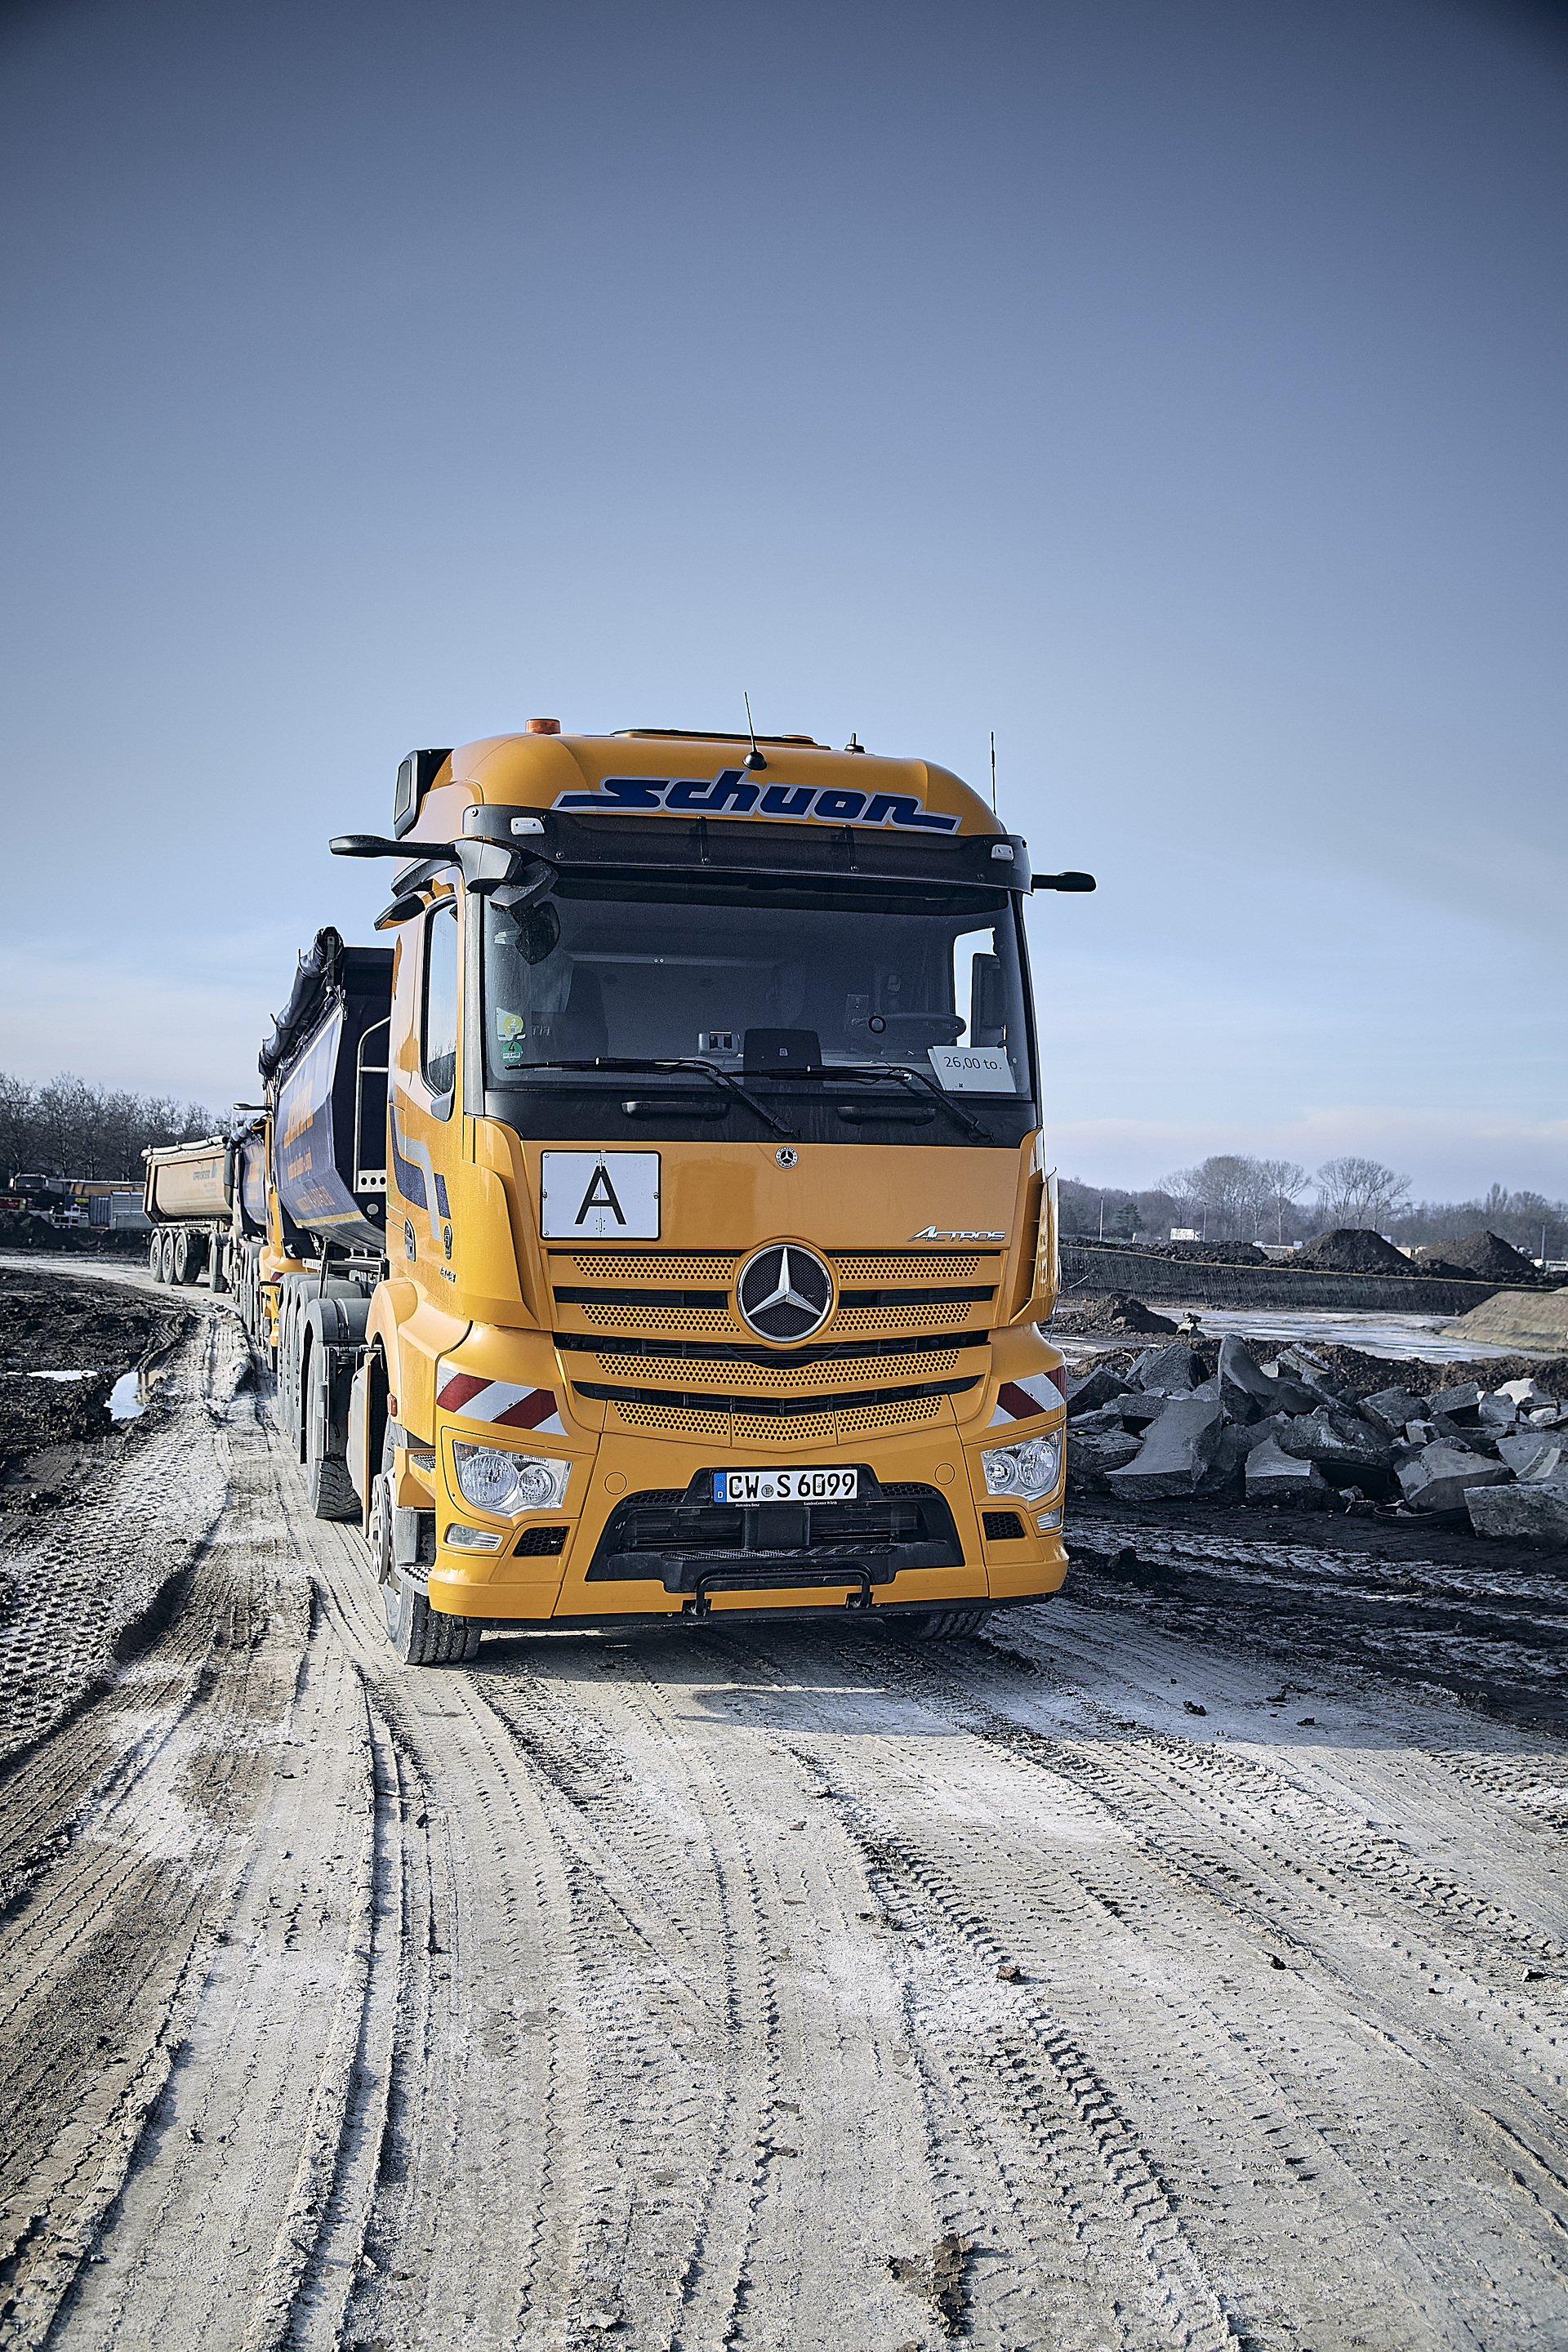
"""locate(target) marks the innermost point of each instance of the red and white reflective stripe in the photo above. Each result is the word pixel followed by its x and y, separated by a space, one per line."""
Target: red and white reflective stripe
pixel 1026 1399
pixel 501 1402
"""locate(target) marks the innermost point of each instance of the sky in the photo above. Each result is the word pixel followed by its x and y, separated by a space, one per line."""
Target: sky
pixel 1175 387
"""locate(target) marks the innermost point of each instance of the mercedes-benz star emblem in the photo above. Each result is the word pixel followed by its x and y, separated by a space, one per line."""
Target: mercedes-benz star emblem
pixel 784 1292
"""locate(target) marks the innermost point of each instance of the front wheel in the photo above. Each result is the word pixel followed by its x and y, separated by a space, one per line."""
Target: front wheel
pixel 942 1624
pixel 420 1635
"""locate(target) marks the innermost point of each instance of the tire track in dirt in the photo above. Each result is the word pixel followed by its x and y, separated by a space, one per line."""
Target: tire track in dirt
pixel 1193 2037
pixel 644 1985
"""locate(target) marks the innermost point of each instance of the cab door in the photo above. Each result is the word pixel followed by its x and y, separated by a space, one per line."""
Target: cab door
pixel 425 1139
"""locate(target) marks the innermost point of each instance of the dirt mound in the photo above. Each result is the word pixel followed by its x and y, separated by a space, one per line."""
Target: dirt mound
pixel 1484 1255
pixel 1086 1318
pixel 1355 1249
pixel 1363 1375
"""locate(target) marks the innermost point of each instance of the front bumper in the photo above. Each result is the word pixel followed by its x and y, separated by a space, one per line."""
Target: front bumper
pixel 636 1536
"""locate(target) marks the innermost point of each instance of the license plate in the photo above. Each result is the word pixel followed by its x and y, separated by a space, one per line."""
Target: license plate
pixel 785 1485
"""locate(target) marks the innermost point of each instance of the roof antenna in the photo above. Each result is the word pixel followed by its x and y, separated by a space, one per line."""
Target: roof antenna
pixel 993 772
pixel 754 758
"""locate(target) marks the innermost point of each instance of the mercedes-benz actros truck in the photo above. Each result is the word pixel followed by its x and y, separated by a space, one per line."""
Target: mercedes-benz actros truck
pixel 662 1229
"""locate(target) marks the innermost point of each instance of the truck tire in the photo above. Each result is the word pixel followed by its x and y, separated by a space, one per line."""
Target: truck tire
pixel 942 1624
pixel 166 1255
pixel 420 1635
pixel 327 1485
pixel 156 1256
pixel 190 1254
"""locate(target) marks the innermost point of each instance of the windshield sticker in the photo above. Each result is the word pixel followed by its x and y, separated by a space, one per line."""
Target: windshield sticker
pixel 973 1069
pixel 512 1031
pixel 733 792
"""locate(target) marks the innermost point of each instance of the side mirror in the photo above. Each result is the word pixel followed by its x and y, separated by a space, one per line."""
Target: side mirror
pixel 365 844
pixel 402 910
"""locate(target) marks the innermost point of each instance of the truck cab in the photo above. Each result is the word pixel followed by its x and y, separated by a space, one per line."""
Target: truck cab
pixel 718 1229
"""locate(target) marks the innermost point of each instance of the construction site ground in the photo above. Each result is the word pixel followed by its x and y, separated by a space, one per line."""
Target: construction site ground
pixel 1180 1963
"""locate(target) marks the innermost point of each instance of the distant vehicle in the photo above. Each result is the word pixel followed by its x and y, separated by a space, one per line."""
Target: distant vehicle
pixel 53 1198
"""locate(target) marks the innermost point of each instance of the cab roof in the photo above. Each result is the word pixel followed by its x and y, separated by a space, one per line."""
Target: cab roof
pixel 656 771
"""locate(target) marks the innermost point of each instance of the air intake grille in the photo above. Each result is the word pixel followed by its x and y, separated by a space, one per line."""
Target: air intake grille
pixel 651 1265
pixel 916 1267
pixel 539 1543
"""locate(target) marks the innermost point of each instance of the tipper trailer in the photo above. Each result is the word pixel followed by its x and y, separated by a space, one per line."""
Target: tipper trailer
pixel 702 1270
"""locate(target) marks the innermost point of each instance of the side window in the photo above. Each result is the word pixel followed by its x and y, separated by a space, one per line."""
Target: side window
pixel 438 1026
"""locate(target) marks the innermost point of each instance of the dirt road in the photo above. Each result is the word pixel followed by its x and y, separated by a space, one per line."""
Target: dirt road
pixel 774 1987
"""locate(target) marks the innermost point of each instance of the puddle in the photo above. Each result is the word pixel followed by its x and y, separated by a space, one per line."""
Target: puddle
pixel 49 1376
pixel 126 1400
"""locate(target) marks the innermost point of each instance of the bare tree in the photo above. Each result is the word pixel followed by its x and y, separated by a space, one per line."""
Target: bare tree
pixel 1353 1190
pixel 1285 1180
pixel 71 1129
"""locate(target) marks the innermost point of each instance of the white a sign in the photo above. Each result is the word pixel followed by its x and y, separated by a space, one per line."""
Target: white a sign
pixel 973 1069
pixel 599 1196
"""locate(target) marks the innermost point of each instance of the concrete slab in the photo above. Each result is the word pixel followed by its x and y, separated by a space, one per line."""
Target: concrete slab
pixel 1440 1476
pixel 1175 1453
pixel 1276 1476
pixel 1535 1515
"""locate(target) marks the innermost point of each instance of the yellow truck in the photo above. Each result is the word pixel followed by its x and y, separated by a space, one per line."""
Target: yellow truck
pixel 717 1234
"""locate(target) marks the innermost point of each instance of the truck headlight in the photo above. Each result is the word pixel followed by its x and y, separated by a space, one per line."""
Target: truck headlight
pixel 1030 1468
pixel 493 1480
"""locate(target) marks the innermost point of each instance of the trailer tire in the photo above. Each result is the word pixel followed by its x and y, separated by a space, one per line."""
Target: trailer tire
pixel 423 1636
pixel 190 1254
pixel 329 1487
pixel 166 1255
pixel 156 1256
pixel 942 1624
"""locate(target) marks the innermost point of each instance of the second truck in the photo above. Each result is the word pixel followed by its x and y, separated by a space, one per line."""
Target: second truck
pixel 661 1230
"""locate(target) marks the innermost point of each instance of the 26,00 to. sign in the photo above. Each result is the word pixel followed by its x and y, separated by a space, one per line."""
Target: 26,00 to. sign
pixel 785 1485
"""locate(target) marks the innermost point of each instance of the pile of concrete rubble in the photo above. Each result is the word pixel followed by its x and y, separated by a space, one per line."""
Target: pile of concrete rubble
pixel 1289 1432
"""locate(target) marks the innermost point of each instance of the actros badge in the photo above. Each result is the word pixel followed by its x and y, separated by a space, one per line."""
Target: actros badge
pixel 785 1292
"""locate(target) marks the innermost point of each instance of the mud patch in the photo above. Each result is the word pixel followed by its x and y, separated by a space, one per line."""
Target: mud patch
pixel 939 2277
pixel 50 1428
pixel 1399 1600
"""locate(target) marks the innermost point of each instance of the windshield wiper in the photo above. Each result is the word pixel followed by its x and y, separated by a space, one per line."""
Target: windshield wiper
pixel 909 1078
pixel 720 1078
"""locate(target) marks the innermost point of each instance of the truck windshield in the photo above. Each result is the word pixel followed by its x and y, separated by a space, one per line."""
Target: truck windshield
pixel 681 969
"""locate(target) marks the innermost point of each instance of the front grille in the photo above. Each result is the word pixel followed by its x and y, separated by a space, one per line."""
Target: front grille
pixel 974 1293
pixel 895 1265
pixel 947 1317
pixel 711 1301
pixel 688 1541
pixel 679 1360
pixel 1002 1526
pixel 539 1543
pixel 866 1352
pixel 768 1380
pixel 652 1266
pixel 676 1423
pixel 714 1321
pixel 774 1408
